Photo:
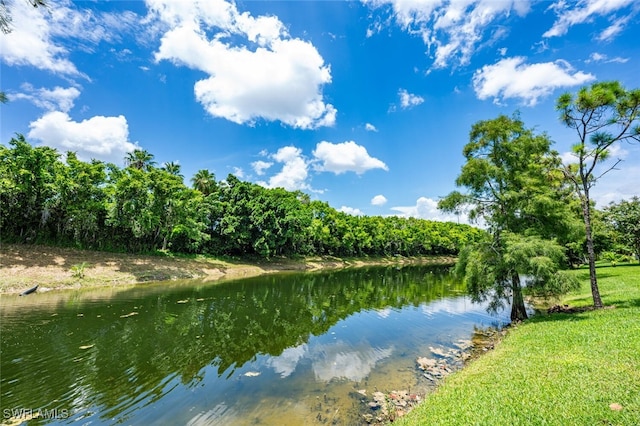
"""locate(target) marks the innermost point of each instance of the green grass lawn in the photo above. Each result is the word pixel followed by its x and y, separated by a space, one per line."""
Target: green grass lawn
pixel 558 369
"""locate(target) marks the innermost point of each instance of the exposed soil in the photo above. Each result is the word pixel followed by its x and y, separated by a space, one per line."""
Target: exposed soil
pixel 53 268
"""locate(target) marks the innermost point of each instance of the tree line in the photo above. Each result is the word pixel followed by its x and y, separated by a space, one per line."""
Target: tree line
pixel 143 207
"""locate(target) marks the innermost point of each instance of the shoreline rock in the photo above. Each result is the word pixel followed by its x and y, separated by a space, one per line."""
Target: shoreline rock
pixel 383 408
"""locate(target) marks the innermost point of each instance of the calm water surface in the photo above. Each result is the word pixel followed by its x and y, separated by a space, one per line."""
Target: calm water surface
pixel 285 349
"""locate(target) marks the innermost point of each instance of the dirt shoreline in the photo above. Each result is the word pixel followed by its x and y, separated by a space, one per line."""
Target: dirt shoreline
pixel 57 268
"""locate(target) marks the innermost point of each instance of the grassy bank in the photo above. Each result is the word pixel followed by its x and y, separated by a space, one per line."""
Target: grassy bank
pixel 555 369
pixel 53 268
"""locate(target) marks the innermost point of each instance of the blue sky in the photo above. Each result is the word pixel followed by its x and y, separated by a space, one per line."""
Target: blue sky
pixel 365 105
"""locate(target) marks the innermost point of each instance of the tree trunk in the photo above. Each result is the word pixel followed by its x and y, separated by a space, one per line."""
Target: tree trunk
pixel 586 213
pixel 518 311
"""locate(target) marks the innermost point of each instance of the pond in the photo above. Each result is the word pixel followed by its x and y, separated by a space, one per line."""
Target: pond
pixel 285 349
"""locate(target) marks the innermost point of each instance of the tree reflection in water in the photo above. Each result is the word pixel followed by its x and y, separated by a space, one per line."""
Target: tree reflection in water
pixel 106 359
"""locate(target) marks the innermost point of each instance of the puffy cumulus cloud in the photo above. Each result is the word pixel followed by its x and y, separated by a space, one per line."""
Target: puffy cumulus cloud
pixel 409 100
pixel 260 166
pixel 294 173
pixel 351 210
pixel 272 76
pixel 379 200
pixel 327 157
pixel 574 13
pixel 427 208
pixel 238 172
pixel 56 99
pixel 38 35
pixel 102 138
pixel 345 157
pixel 512 78
pixel 370 127
pixel 452 30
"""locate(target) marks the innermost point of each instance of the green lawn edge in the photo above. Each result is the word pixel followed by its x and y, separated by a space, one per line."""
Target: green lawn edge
pixel 554 369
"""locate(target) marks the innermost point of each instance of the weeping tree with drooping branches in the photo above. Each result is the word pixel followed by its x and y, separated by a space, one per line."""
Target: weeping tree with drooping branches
pixel 512 186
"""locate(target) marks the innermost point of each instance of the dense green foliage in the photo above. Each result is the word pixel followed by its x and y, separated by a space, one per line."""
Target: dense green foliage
pixel 512 184
pixel 142 208
pixel 582 364
pixel 624 218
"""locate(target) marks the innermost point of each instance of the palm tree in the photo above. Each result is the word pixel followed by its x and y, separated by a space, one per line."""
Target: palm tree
pixel 173 168
pixel 140 159
pixel 204 181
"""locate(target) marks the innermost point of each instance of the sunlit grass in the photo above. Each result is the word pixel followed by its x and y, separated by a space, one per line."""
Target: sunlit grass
pixel 560 369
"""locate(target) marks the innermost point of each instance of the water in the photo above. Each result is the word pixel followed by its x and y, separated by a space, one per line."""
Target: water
pixel 286 349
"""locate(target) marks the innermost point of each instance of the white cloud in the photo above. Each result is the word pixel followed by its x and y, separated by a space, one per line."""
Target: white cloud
pixel 102 138
pixel 614 29
pixel 260 166
pixel 568 158
pixel 56 99
pixel 597 57
pixel 370 127
pixel 384 313
pixel 601 57
pixel 512 78
pixel 452 30
pixel 327 157
pixel 570 14
pixel 427 208
pixel 294 172
pixel 615 152
pixel 617 185
pixel 345 157
pixel 342 360
pixel 38 34
pixel 31 41
pixel 287 362
pixel 409 100
pixel 238 172
pixel 336 360
pixel 379 200
pixel 350 210
pixel 272 76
